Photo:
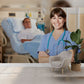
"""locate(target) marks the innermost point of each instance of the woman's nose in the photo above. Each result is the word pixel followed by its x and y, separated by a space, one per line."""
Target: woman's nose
pixel 57 20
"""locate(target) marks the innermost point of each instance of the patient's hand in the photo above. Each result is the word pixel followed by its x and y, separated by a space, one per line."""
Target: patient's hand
pixel 23 40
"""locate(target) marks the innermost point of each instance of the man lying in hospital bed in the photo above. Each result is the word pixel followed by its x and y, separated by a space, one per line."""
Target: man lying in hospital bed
pixel 13 27
pixel 28 33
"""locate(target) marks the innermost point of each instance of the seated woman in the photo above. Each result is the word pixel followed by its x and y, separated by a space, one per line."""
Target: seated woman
pixel 53 43
pixel 28 33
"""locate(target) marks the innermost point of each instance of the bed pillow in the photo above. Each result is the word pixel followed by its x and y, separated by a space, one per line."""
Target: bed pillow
pixel 17 25
pixel 33 23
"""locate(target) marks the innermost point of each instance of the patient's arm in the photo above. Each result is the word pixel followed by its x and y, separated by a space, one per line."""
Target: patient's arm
pixel 43 57
pixel 23 40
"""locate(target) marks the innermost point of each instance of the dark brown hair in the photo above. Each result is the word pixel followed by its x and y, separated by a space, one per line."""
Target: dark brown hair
pixel 59 12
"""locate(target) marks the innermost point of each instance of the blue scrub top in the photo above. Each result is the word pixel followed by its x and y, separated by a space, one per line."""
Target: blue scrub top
pixel 54 48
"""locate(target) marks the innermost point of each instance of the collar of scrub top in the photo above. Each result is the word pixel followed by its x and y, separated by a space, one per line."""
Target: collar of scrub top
pixel 47 51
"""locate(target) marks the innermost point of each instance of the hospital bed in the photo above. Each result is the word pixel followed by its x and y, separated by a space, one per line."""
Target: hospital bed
pixel 12 27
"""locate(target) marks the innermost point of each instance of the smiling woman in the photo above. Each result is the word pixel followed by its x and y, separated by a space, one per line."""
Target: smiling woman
pixel 58 18
pixel 53 43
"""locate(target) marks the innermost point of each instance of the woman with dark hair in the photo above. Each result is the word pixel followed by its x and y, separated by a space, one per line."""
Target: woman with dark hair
pixel 60 13
pixel 53 43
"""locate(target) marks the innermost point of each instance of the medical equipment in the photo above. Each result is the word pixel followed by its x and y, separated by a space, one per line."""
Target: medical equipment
pixel 47 51
pixel 12 29
pixel 41 26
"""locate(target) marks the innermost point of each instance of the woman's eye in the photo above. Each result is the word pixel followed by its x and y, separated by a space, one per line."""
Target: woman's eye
pixel 60 17
pixel 53 18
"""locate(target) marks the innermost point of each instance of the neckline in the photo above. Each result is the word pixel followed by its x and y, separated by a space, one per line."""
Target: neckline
pixel 59 36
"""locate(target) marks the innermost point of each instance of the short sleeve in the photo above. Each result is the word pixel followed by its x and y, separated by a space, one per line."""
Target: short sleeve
pixel 42 43
pixel 69 39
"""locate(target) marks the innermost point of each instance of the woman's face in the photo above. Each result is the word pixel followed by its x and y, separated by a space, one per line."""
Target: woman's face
pixel 57 22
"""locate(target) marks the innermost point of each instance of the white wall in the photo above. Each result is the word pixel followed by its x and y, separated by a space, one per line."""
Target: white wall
pixel 20 13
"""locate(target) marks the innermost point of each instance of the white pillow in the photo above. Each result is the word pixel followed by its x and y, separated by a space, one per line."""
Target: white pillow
pixel 18 25
pixel 33 23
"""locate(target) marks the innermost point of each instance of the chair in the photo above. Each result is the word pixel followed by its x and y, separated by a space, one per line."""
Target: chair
pixel 60 61
pixel 12 26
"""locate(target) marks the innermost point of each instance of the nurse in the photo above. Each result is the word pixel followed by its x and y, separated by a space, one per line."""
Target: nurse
pixel 52 43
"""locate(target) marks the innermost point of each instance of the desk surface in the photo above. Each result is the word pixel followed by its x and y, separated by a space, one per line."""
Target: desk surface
pixel 28 65
pixel 36 73
pixel 40 68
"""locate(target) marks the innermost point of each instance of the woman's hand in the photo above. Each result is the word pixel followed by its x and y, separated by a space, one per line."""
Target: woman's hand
pixel 43 57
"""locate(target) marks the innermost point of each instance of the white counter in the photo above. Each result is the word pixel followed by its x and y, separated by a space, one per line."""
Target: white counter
pixel 37 73
pixel 28 65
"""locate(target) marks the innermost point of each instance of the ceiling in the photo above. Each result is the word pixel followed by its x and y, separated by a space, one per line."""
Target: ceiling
pixel 36 3
pixel 25 3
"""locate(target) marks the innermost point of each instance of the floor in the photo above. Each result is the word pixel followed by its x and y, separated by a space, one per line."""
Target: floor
pixel 35 73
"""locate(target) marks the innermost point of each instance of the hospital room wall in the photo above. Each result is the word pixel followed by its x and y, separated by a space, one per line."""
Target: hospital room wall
pixel 20 13
pixel 77 21
pixel 5 14
pixel 82 32
pixel 72 21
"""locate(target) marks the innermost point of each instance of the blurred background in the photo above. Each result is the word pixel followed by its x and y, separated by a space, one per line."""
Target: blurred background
pixel 40 10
